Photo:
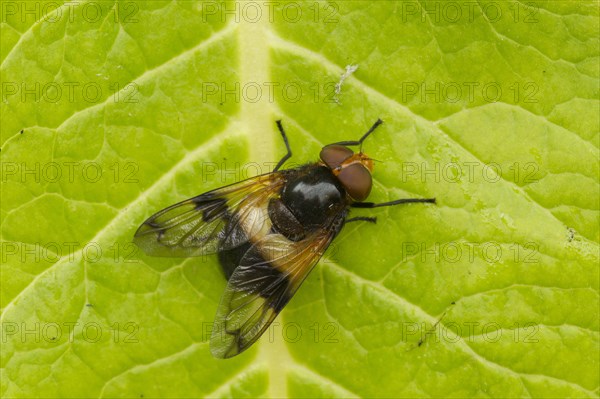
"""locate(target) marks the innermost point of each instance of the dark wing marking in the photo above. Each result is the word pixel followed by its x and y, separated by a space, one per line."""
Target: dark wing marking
pixel 268 276
pixel 209 222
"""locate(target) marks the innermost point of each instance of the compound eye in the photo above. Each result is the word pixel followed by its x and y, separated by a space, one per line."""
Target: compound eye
pixel 357 181
pixel 334 154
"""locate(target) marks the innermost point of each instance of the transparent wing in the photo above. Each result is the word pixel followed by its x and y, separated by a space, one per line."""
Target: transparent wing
pixel 209 222
pixel 269 274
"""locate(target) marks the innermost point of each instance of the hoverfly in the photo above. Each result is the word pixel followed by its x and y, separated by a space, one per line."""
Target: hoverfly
pixel 269 231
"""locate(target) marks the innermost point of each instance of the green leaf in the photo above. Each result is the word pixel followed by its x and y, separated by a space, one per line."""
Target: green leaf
pixel 114 110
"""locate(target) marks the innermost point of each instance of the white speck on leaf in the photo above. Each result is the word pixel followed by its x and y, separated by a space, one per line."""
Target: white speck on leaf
pixel 338 86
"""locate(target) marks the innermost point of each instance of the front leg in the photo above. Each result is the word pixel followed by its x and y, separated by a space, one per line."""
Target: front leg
pixel 287 146
pixel 390 203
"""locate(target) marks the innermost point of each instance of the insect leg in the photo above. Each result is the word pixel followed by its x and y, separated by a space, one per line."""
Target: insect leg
pixel 390 203
pixel 287 146
pixel 361 218
pixel 359 142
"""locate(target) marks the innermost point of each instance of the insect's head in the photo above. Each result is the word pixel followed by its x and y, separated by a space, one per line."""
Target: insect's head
pixel 352 169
